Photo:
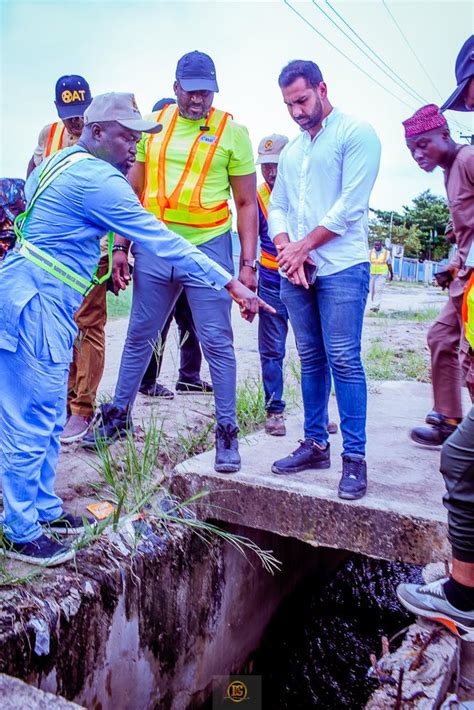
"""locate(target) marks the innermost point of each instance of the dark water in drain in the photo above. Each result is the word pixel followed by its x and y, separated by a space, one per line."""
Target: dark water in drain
pixel 315 653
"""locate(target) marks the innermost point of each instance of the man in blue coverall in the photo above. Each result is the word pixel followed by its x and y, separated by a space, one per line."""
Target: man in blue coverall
pixel 62 232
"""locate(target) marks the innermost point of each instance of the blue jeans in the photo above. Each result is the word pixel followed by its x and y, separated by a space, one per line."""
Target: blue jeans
pixel 272 332
pixel 327 322
pixel 156 288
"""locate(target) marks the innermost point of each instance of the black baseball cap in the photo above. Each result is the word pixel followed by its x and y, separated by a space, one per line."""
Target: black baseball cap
pixel 464 71
pixel 73 96
pixel 196 72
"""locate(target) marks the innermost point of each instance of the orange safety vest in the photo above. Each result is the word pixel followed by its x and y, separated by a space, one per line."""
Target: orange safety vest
pixel 184 204
pixel 378 262
pixel 55 139
pixel 468 311
pixel 263 196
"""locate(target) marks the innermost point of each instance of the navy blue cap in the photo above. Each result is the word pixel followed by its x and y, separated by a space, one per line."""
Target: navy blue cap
pixel 162 103
pixel 464 73
pixel 73 96
pixel 196 72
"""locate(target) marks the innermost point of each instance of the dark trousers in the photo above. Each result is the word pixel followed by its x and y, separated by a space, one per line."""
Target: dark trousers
pixel 457 467
pixel 272 332
pixel 190 350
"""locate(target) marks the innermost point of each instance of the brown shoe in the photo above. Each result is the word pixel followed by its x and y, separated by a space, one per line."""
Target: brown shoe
pixel 332 428
pixel 76 428
pixel 275 424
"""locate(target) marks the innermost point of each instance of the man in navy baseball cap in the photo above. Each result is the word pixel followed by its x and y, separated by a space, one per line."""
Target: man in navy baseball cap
pixel 73 96
pixel 196 72
pixel 462 99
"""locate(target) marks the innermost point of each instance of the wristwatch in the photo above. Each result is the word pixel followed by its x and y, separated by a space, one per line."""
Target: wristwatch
pixel 252 263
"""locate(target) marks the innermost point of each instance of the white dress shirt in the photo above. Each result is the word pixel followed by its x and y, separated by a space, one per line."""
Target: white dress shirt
pixel 326 181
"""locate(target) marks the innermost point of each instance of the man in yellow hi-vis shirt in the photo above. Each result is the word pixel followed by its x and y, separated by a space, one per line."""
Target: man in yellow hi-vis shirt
pixel 380 268
pixel 185 177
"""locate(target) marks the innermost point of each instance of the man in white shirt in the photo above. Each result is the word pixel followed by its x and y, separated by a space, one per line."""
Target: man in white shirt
pixel 318 220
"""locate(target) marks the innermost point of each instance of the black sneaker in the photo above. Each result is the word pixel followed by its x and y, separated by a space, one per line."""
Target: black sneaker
pixel 353 483
pixel 42 551
pixel 309 455
pixel 68 523
pixel 110 424
pixel 156 390
pixel 433 435
pixel 227 449
pixel 198 387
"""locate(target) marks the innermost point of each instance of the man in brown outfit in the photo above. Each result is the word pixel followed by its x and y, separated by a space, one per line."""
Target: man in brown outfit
pixel 430 143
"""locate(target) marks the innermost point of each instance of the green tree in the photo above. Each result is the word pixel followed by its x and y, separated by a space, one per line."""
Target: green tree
pixel 420 227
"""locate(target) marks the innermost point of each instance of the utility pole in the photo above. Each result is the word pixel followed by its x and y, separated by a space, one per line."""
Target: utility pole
pixel 471 138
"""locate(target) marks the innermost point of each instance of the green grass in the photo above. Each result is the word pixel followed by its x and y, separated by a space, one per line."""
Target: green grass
pixel 119 306
pixel 422 316
pixel 387 364
pixel 251 411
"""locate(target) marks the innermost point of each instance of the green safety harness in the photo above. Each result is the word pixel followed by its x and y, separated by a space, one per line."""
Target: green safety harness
pixel 52 168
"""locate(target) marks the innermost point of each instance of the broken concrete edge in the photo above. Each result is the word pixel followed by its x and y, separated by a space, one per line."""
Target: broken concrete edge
pixel 426 686
pixel 320 522
pixel 15 694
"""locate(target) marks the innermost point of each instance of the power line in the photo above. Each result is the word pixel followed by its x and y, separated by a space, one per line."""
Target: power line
pixel 391 74
pixel 306 21
pixel 382 86
pixel 455 122
pixel 372 51
pixel 411 49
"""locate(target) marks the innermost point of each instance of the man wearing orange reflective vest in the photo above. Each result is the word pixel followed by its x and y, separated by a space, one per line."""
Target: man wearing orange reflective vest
pixel 185 177
pixel 272 331
pixel 73 96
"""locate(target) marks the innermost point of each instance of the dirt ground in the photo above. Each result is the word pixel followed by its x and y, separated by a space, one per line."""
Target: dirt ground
pixel 187 414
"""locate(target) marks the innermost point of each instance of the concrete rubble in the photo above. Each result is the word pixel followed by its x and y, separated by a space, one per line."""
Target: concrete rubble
pixel 419 673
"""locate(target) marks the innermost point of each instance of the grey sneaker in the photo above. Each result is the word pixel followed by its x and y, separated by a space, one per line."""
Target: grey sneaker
pixel 275 424
pixel 75 429
pixel 429 600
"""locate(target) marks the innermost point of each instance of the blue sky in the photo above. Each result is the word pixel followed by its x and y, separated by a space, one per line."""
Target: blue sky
pixel 134 46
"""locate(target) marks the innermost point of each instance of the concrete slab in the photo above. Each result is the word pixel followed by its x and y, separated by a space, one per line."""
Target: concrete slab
pixel 15 694
pixel 401 518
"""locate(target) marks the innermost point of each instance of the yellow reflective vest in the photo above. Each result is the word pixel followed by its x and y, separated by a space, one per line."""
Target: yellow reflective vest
pixel 184 205
pixel 263 196
pixel 468 311
pixel 378 262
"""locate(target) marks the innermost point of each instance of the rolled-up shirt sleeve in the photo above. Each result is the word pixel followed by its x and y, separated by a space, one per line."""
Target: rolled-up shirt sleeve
pixel 360 167
pixel 278 207
pixel 113 205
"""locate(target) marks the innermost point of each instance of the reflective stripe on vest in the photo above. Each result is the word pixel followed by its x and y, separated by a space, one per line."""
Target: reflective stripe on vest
pixel 49 171
pixel 184 205
pixel 269 261
pixel 263 197
pixel 55 139
pixel 378 262
pixel 468 311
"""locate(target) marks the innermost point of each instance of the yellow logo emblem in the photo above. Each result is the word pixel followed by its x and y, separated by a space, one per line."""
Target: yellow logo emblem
pixel 70 96
pixel 237 691
pixel 268 145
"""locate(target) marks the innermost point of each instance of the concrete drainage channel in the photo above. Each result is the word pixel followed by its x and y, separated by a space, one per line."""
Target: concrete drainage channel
pixel 154 627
